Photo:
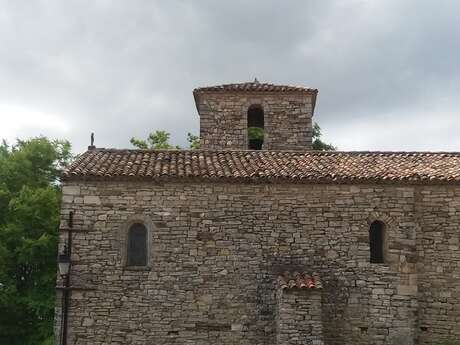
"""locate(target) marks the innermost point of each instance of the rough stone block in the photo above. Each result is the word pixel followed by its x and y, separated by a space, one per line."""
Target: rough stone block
pixel 70 190
pixel 91 199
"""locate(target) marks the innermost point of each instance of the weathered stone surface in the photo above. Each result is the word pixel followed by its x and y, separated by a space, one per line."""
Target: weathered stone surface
pixel 70 190
pixel 216 249
pixel 299 317
pixel 288 120
pixel 407 290
pixel 91 199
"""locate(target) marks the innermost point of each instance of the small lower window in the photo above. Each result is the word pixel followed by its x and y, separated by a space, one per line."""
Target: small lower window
pixel 137 245
pixel 376 242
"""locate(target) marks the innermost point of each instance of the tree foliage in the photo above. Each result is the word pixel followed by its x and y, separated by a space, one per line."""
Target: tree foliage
pixel 256 133
pixel 159 140
pixel 194 141
pixel 29 220
pixel 156 140
pixel 318 144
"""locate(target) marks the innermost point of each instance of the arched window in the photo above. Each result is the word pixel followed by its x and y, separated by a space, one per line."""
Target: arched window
pixel 255 127
pixel 377 241
pixel 137 245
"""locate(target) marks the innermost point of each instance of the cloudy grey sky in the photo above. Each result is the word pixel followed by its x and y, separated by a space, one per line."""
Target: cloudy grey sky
pixel 388 71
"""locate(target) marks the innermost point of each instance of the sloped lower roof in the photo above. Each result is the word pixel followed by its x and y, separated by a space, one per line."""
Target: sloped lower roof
pixel 291 280
pixel 279 166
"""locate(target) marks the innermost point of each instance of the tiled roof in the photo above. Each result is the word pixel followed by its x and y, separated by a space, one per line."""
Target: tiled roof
pixel 254 86
pixel 290 280
pixel 279 166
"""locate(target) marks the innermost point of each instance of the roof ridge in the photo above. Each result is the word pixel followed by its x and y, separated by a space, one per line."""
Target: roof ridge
pixel 313 152
pixel 254 86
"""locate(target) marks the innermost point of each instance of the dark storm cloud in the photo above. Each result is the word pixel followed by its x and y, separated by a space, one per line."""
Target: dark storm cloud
pixel 387 71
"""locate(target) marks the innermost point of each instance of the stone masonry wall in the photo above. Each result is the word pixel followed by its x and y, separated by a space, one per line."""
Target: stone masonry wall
pixel 288 120
pixel 299 317
pixel 215 251
pixel 439 265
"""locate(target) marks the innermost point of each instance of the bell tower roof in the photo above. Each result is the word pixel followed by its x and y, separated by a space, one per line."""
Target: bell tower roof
pixel 254 86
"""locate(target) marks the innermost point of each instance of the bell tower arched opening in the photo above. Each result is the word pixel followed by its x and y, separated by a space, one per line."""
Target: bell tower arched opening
pixel 256 128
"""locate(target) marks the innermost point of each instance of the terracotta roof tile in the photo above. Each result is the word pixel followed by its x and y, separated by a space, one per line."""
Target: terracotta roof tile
pixel 291 280
pixel 253 86
pixel 287 166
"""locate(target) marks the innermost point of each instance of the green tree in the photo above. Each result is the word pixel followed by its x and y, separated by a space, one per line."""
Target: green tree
pixel 194 141
pixel 318 144
pixel 29 220
pixel 159 140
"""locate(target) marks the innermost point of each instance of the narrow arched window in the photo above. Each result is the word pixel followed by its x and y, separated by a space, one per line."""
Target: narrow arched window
pixel 376 242
pixel 137 245
pixel 255 127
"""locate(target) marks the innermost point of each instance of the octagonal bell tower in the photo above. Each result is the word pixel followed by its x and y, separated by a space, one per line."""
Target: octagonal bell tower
pixel 255 116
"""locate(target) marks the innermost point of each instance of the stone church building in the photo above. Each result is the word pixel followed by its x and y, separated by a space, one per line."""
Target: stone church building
pixel 259 240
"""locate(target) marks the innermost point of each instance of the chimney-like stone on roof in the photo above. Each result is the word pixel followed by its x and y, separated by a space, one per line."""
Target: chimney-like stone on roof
pixel 255 115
